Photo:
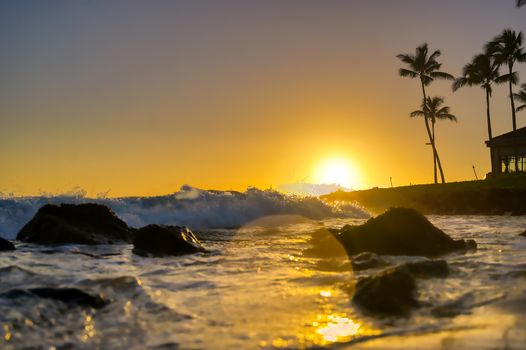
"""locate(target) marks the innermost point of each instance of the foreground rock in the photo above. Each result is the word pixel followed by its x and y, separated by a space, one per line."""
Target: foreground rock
pixel 70 296
pixel 162 240
pixel 393 291
pixel 75 224
pixel 427 269
pixel 5 245
pixel 400 231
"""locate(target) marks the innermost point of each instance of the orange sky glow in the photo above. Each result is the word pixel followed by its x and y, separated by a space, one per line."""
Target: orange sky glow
pixel 140 99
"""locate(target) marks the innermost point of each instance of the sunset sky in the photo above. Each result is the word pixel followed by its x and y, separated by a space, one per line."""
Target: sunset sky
pixel 141 97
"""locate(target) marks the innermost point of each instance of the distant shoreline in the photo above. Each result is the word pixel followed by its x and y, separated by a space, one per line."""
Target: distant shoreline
pixel 502 196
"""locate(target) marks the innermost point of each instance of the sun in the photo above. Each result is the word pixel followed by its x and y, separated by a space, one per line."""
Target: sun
pixel 337 171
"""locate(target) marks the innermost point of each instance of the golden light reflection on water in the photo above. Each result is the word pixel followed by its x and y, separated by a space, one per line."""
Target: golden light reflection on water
pixel 328 326
pixel 89 328
pixel 337 327
pixel 326 293
pixel 7 333
pixel 327 329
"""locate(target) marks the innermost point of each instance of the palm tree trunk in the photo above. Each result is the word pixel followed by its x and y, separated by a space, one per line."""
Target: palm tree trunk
pixel 510 66
pixel 442 178
pixel 488 116
pixel 431 139
pixel 434 140
pixel 437 158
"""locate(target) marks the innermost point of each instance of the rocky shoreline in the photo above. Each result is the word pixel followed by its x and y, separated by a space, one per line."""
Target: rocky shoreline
pixel 387 290
pixel 505 196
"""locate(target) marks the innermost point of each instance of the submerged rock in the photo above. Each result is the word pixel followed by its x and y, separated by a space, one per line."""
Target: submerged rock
pixel 72 296
pixel 324 244
pixel 400 231
pixel 5 245
pixel 367 260
pixel 427 268
pixel 391 292
pixel 75 223
pixel 163 240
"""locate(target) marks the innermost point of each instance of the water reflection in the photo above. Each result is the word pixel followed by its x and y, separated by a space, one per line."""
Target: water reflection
pixel 336 327
pixel 89 327
pixel 326 293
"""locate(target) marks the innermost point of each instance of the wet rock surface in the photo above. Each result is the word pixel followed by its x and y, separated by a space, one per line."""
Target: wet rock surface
pixel 400 231
pixel 5 245
pixel 393 291
pixel 70 296
pixel 75 224
pixel 163 240
pixel 427 269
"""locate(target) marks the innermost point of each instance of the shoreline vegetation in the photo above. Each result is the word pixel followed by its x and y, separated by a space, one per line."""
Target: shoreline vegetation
pixel 501 196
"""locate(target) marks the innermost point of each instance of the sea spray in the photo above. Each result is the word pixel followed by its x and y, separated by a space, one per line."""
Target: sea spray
pixel 196 208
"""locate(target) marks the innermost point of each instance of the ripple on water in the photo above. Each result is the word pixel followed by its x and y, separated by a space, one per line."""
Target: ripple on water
pixel 258 290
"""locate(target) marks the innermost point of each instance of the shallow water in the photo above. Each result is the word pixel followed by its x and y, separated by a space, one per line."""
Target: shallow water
pixel 256 289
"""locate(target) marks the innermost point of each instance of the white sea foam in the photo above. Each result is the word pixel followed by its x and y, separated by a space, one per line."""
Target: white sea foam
pixel 196 208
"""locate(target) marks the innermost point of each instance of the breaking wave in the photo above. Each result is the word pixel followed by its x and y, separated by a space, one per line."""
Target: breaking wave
pixel 196 208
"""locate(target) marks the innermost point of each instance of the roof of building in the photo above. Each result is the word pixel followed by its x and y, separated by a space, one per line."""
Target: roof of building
pixel 517 137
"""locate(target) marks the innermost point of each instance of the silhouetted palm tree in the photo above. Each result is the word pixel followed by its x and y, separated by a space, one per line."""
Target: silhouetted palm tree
pixel 434 111
pixel 426 68
pixel 507 49
pixel 521 97
pixel 483 70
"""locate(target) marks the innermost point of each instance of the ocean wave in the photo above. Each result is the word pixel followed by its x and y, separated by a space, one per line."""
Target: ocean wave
pixel 193 207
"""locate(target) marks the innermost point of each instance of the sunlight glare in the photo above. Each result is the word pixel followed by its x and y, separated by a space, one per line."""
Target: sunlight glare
pixel 337 171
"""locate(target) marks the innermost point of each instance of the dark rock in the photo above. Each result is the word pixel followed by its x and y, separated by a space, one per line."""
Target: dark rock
pixel 5 245
pixel 523 234
pixel 162 240
pixel 325 244
pixel 427 269
pixel 75 223
pixel 391 292
pixel 400 231
pixel 70 296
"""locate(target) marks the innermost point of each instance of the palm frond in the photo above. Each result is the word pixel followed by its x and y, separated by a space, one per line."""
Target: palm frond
pixel 435 55
pixel 520 108
pixel 513 77
pixel 442 75
pixel 460 82
pixel 418 113
pixel 448 117
pixel 521 95
pixel 426 79
pixel 444 110
pixel 407 73
pixel 507 47
pixel 406 58
pixel 432 66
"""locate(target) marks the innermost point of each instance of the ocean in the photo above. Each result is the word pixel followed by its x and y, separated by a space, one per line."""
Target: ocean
pixel 255 288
